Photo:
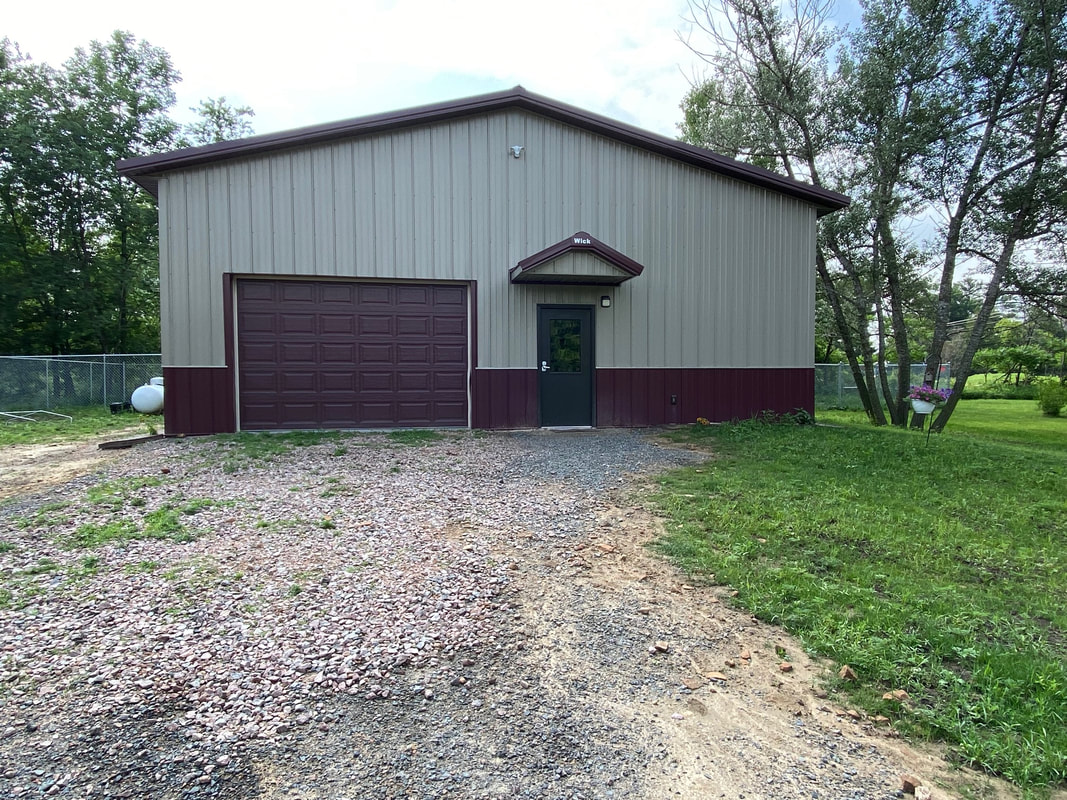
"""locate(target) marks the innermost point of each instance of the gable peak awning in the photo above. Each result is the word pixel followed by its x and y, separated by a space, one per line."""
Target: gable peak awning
pixel 556 264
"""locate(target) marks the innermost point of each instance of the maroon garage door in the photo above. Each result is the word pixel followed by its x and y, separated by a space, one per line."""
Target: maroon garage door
pixel 316 354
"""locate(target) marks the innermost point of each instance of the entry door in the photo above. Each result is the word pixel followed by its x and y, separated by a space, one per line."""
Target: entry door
pixel 565 361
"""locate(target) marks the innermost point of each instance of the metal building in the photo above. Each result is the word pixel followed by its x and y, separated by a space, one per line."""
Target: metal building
pixel 502 261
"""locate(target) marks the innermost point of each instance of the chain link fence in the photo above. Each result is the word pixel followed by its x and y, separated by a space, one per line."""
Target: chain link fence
pixel 835 386
pixel 47 382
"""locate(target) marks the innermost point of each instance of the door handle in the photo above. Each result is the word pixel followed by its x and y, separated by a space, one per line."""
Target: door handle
pixel 544 366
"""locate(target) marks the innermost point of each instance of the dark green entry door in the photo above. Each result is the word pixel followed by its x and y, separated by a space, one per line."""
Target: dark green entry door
pixel 565 361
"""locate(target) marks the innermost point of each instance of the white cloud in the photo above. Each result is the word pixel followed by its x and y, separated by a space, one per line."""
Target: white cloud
pixel 304 63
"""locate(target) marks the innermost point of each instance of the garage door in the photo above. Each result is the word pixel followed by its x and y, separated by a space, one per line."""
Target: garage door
pixel 316 354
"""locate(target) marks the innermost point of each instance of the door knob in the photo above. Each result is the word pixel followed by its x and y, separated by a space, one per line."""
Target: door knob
pixel 544 366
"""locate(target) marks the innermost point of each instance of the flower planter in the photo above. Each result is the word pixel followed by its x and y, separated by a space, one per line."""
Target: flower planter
pixel 922 406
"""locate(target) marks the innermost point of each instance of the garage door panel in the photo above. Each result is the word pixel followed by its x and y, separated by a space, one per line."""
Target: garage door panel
pixel 334 354
pixel 413 326
pixel 296 323
pixel 292 353
pixel 413 381
pixel 413 295
pixel 377 325
pixel 259 415
pixel 336 293
pixel 338 381
pixel 414 413
pixel 449 354
pixel 374 294
pixel 377 413
pixel 413 354
pixel 259 353
pixel 340 415
pixel 448 382
pixel 348 354
pixel 450 296
pixel 450 412
pixel 261 382
pixel 452 325
pixel 297 382
pixel 376 354
pixel 294 292
pixel 257 323
pixel 337 325
pixel 256 290
pixel 377 382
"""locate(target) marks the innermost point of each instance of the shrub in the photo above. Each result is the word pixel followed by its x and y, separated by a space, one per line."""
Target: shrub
pixel 1000 391
pixel 1051 397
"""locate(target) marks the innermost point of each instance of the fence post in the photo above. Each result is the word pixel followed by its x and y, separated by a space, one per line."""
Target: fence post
pixel 47 384
pixel 104 393
pixel 840 385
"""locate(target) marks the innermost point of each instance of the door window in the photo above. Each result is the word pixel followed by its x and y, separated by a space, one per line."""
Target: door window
pixel 565 345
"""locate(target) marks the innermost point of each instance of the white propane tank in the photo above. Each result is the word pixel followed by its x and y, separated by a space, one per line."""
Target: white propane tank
pixel 148 399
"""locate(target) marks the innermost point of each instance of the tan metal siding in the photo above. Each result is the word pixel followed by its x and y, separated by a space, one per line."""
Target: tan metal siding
pixel 728 279
pixel 577 263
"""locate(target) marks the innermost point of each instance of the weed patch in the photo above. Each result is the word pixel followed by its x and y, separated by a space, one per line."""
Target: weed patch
pixel 413 437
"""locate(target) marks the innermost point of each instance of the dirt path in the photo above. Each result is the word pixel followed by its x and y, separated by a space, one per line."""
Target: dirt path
pixel 714 703
pixel 30 468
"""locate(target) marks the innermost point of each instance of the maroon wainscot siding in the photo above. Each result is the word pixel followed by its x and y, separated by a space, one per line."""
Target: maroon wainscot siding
pixel 504 399
pixel 628 398
pixel 638 397
pixel 198 400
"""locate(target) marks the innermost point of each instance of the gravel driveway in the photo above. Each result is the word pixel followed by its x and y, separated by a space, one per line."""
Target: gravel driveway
pixel 472 616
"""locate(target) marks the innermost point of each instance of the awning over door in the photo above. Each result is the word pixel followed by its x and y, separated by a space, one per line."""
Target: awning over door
pixel 579 259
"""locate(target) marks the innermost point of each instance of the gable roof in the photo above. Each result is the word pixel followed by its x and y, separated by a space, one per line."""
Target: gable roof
pixel 622 266
pixel 145 170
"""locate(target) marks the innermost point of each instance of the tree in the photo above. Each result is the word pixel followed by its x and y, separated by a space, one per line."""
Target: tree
pixel 219 122
pixel 930 104
pixel 79 245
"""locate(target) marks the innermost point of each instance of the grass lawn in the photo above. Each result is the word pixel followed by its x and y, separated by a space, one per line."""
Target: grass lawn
pixel 1017 422
pixel 88 422
pixel 940 569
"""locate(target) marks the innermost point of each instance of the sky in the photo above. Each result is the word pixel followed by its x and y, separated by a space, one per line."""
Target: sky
pixel 303 63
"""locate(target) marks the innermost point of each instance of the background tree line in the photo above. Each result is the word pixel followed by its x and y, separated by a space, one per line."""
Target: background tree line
pixel 78 245
pixel 944 121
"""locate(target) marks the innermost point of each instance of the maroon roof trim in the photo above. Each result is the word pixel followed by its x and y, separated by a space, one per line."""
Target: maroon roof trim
pixel 146 170
pixel 579 241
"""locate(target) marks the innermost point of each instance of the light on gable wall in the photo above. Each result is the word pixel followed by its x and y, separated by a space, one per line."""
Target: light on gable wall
pixel 605 301
pixel 516 150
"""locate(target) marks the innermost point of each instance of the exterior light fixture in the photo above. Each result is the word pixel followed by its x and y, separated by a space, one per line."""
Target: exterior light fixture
pixel 516 150
pixel 605 301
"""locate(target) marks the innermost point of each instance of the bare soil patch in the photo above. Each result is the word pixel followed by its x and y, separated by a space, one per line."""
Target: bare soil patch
pixel 31 468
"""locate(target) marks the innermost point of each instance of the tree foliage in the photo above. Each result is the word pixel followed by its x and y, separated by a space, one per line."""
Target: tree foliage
pixel 947 113
pixel 217 121
pixel 78 245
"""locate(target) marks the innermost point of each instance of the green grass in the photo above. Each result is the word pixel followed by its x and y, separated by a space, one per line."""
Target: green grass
pixel 940 569
pixel 415 436
pixel 88 423
pixel 265 446
pixel 1018 422
pixel 116 494
pixel 163 523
